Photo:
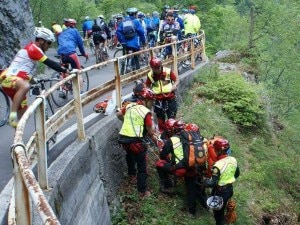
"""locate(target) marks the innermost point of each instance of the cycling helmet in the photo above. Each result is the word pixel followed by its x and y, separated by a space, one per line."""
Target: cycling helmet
pixel 185 10
pixel 119 16
pixel 44 33
pixel 192 127
pixel 131 11
pixel 215 202
pixel 166 7
pixel 155 13
pixel 169 124
pixel 70 23
pixel 101 17
pixel 87 18
pixel 221 145
pixel 178 126
pixel 155 63
pixel 146 94
pixel 140 15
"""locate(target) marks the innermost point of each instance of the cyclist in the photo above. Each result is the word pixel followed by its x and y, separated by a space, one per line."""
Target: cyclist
pixel 191 22
pixel 69 39
pixel 15 80
pixel 169 32
pixel 152 28
pixel 100 33
pixel 87 27
pixel 164 12
pixel 128 32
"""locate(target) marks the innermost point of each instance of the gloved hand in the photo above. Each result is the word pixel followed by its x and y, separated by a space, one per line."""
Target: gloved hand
pixel 86 56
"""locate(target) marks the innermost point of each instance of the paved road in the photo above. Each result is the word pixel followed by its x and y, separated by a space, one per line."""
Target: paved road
pixel 7 133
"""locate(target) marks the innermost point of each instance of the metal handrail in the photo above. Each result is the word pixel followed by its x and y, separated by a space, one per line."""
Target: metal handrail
pixel 26 186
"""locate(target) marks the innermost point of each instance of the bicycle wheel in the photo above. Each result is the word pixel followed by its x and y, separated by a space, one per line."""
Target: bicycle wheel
pixel 4 108
pixel 118 53
pixel 61 95
pixel 85 82
pixel 98 56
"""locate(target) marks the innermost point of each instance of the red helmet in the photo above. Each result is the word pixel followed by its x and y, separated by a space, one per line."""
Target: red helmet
pixel 146 94
pixel 178 125
pixel 221 145
pixel 169 124
pixel 155 62
pixel 192 127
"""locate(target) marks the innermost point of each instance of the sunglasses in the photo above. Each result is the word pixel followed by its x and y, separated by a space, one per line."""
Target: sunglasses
pixel 49 42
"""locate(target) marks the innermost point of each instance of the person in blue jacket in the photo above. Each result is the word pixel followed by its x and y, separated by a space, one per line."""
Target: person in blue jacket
pixel 87 27
pixel 130 32
pixel 68 41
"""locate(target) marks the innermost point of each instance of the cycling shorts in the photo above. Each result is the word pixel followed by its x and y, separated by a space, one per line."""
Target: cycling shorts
pixel 99 39
pixel 72 59
pixel 9 87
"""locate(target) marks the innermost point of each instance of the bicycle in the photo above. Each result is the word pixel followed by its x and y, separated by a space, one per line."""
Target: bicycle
pixel 64 93
pixel 126 64
pixel 101 54
pixel 4 108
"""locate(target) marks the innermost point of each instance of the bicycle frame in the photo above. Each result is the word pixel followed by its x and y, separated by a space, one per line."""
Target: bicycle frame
pixel 4 108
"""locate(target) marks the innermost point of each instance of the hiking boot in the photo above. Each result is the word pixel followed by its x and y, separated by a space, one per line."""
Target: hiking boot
pixel 165 190
pixel 145 194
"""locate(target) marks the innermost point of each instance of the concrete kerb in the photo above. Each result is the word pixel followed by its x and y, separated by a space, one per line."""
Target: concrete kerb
pixel 185 80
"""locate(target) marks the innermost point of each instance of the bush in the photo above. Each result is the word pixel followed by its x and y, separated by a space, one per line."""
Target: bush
pixel 239 101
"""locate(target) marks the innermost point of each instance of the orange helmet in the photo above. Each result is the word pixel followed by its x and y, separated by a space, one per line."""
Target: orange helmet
pixel 155 62
pixel 169 124
pixel 221 145
pixel 192 127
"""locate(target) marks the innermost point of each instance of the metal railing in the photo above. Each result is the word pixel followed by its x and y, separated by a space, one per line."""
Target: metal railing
pixel 28 190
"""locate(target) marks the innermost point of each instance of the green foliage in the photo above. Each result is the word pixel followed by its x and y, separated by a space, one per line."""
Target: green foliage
pixel 239 101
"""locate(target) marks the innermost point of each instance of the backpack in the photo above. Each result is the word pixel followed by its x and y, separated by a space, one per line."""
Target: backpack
pixel 128 28
pixel 152 26
pixel 101 24
pixel 194 149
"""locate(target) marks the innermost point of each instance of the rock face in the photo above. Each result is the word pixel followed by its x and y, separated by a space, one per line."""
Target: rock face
pixel 16 28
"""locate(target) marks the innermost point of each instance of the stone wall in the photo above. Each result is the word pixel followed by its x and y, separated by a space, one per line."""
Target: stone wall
pixel 16 28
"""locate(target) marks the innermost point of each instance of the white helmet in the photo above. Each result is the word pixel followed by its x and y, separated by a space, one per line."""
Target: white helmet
pixel 87 18
pixel 44 33
pixel 101 16
pixel 215 202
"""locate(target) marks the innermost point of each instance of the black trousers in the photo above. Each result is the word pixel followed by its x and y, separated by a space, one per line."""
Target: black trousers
pixel 166 109
pixel 226 193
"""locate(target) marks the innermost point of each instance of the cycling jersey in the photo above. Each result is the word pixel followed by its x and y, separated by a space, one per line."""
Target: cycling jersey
pixel 87 26
pixel 25 62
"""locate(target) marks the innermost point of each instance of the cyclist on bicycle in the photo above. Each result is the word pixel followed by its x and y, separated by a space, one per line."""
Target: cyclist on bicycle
pixel 163 82
pixel 129 31
pixel 100 33
pixel 69 39
pixel 15 80
pixel 87 27
pixel 169 32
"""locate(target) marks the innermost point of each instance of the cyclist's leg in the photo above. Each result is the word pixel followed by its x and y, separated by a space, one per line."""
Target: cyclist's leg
pixel 16 88
pixel 135 61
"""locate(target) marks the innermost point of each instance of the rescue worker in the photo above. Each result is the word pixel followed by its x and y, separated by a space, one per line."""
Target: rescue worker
pixel 170 162
pixel 169 131
pixel 137 123
pixel 224 173
pixel 163 82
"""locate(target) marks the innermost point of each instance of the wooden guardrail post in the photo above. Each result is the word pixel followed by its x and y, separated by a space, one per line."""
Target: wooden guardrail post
pixel 40 121
pixel 118 84
pixel 175 63
pixel 192 53
pixel 78 107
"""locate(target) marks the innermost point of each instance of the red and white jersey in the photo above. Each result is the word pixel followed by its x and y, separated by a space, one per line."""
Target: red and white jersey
pixel 25 62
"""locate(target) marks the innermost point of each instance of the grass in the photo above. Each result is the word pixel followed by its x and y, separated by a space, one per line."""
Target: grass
pixel 268 186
